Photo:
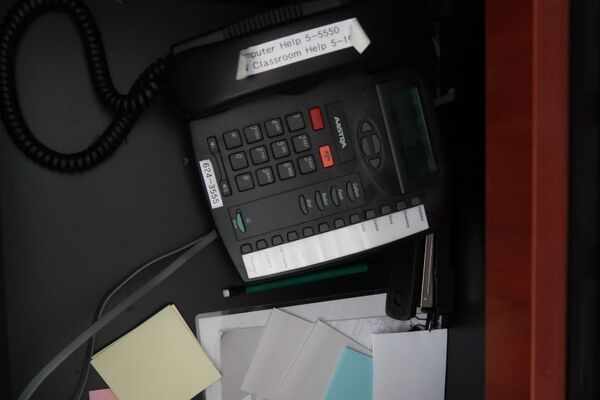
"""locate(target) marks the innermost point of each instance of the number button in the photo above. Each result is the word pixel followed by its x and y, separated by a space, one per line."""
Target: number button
pixel 274 127
pixel 295 121
pixel 232 139
pixel 265 176
pixel 301 143
pixel 238 161
pixel 307 164
pixel 286 170
pixel 280 149
pixel 244 182
pixel 259 155
pixel 253 133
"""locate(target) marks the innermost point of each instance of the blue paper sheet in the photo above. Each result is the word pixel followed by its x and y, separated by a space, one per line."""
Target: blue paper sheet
pixel 353 377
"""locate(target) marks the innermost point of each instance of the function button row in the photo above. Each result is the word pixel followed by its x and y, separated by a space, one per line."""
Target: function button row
pixel 309 231
pixel 322 200
pixel 295 121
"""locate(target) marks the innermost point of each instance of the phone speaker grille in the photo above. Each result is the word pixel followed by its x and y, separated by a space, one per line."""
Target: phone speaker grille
pixel 262 21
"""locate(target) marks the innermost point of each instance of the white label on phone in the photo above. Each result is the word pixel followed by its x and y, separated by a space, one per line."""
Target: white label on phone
pixel 212 185
pixel 301 46
pixel 335 244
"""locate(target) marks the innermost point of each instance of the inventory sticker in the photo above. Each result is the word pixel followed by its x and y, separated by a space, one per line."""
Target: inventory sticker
pixel 302 46
pixel 211 184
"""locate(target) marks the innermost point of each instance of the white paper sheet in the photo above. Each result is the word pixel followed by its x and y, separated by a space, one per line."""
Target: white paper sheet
pixel 279 347
pixel 237 350
pixel 302 46
pixel 410 365
pixel 310 374
pixel 336 243
pixel 352 316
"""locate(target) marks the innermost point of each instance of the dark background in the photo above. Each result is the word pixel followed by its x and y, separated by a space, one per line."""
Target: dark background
pixel 67 239
pixel 583 330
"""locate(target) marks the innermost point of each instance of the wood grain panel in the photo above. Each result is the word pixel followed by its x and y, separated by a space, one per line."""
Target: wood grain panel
pixel 526 191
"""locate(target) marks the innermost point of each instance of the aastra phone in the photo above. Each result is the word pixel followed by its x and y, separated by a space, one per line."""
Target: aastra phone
pixel 313 161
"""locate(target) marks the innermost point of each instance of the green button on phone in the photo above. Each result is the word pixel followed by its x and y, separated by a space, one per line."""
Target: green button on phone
pixel 240 221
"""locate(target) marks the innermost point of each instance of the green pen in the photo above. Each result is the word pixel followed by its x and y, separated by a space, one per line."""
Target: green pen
pixel 297 280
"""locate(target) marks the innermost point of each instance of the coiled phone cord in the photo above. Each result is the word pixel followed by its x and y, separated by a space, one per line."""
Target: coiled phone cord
pixel 127 107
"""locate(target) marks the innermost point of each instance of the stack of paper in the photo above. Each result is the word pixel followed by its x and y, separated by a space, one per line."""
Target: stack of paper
pixel 297 359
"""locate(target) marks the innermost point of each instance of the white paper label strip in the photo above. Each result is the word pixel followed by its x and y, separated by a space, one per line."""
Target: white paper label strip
pixel 301 46
pixel 211 184
pixel 337 243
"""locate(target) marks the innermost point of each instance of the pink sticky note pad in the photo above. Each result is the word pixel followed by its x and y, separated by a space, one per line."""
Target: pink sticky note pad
pixel 104 394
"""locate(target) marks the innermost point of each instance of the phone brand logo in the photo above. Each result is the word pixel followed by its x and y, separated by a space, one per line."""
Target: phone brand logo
pixel 340 132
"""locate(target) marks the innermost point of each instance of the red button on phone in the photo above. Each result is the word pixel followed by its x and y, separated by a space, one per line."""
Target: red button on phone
pixel 316 118
pixel 326 156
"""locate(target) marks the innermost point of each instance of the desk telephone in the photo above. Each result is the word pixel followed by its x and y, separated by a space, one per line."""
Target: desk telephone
pixel 313 135
pixel 311 125
pixel 319 160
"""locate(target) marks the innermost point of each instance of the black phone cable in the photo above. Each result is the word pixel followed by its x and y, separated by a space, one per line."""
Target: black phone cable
pixel 126 107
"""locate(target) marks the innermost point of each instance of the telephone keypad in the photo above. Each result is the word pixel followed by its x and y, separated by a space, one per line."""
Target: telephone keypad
pixel 256 164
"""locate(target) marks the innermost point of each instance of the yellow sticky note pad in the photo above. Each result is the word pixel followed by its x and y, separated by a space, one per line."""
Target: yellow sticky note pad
pixel 160 359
